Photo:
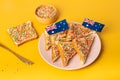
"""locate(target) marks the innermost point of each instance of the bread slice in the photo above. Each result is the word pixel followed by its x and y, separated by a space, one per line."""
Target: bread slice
pixel 55 50
pixel 82 46
pixel 55 38
pixel 55 53
pixel 47 40
pixel 77 30
pixel 67 51
pixel 23 33
pixel 84 31
pixel 70 33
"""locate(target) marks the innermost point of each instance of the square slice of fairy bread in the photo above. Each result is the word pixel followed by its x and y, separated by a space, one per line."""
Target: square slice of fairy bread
pixel 23 33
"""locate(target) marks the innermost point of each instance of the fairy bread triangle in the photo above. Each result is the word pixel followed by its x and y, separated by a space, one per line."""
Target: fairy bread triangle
pixel 55 38
pixel 82 46
pixel 67 52
pixel 47 40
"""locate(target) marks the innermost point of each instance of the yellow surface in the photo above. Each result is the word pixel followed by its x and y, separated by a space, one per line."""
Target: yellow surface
pixel 14 12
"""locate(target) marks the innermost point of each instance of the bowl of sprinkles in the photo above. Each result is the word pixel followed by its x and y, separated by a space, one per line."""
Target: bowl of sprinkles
pixel 46 14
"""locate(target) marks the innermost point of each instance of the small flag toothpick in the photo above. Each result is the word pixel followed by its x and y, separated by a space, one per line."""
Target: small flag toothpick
pixel 57 27
pixel 93 25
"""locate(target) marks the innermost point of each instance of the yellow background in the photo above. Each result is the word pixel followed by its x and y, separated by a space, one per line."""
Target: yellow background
pixel 15 12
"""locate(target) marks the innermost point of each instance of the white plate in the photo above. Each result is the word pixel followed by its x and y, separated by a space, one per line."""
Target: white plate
pixel 75 61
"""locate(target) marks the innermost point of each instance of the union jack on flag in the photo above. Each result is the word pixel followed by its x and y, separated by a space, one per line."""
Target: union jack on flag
pixel 89 21
pixel 93 25
pixel 57 27
pixel 51 27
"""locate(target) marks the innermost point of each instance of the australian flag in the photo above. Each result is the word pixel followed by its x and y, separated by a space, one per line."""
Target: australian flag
pixel 57 27
pixel 93 25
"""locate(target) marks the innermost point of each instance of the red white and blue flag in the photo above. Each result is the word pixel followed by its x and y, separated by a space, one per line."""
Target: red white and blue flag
pixel 57 27
pixel 93 25
pixel 51 27
pixel 89 21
